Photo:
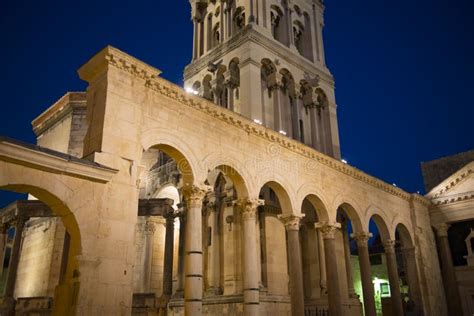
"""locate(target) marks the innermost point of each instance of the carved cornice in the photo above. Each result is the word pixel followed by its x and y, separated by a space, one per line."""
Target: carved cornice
pixel 445 200
pixel 56 112
pixel 111 56
pixel 252 35
pixel 454 180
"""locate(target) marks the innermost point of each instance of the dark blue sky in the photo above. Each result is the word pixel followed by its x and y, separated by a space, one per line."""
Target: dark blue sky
pixel 404 69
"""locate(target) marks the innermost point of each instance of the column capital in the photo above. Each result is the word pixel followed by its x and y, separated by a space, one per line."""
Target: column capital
pixel 328 229
pixel 389 245
pixel 442 229
pixel 361 238
pixel 248 207
pixel 149 227
pixel 195 194
pixel 291 222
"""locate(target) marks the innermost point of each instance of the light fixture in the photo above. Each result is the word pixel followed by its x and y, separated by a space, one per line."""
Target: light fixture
pixel 257 121
pixel 394 184
pixel 283 133
pixel 344 161
pixel 191 90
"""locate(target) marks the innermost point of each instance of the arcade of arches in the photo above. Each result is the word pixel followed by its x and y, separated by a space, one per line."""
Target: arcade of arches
pixel 146 200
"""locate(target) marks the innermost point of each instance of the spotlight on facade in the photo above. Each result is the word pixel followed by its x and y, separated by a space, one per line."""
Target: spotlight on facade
pixel 257 121
pixel 344 161
pixel 191 90
pixel 394 184
pixel 283 133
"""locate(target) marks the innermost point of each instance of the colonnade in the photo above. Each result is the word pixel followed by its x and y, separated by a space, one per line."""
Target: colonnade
pixel 193 273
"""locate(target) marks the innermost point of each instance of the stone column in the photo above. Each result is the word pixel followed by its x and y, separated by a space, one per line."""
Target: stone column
pixel 194 196
pixel 328 231
pixel 9 301
pixel 3 243
pixel 412 277
pixel 365 272
pixel 250 256
pixel 181 253
pixel 168 256
pixel 149 231
pixel 447 270
pixel 347 254
pixel 389 246
pixel 322 263
pixel 195 39
pixel 292 225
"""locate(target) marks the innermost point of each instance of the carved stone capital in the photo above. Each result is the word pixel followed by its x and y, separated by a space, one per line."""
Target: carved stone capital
pixel 194 194
pixel 248 207
pixel 328 229
pixel 291 222
pixel 361 238
pixel 442 229
pixel 149 227
pixel 389 246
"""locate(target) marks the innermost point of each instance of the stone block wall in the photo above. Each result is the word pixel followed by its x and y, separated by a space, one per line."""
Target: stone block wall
pixel 40 259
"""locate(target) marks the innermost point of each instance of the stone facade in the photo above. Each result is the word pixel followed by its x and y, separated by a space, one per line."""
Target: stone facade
pixel 208 200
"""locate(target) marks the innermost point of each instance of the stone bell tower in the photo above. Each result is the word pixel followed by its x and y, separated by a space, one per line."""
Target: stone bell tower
pixel 265 60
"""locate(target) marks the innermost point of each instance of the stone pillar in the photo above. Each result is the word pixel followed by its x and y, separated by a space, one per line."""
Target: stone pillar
pixel 195 39
pixel 149 231
pixel 250 256
pixel 334 292
pixel 447 269
pixel 389 246
pixel 322 263
pixel 365 272
pixel 194 196
pixel 292 225
pixel 347 254
pixel 3 243
pixel 412 278
pixel 251 90
pixel 8 300
pixel 181 253
pixel 168 256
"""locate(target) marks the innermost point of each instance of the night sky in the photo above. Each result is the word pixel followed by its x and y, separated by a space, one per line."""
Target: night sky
pixel 404 69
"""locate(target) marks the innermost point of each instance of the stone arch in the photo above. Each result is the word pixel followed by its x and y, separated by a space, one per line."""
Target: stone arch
pixel 177 149
pixel 404 234
pixel 68 287
pixel 282 195
pixel 278 24
pixel 206 88
pixel 381 226
pixel 317 200
pixel 238 180
pixel 351 211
